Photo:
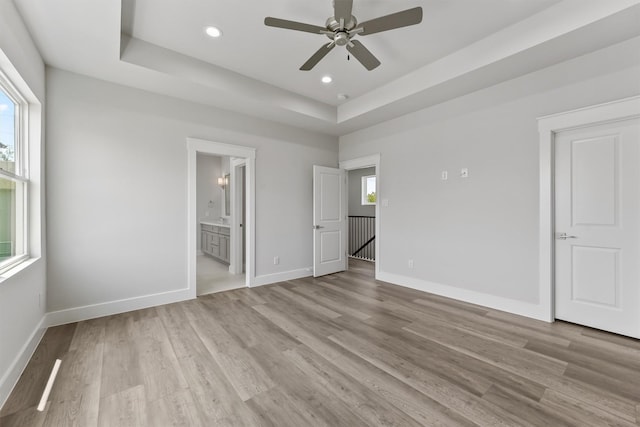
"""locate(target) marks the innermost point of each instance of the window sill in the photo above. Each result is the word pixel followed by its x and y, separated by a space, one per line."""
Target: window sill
pixel 16 269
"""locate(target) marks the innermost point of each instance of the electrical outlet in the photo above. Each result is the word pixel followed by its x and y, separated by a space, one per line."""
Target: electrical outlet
pixel 444 175
pixel 410 263
pixel 276 260
pixel 464 173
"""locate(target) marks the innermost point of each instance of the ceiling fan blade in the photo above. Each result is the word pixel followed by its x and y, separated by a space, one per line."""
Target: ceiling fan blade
pixel 363 55
pixel 342 11
pixel 316 57
pixel 393 21
pixel 293 25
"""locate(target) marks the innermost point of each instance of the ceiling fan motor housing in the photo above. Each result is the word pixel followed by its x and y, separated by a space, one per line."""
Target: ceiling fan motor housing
pixel 341 38
pixel 340 35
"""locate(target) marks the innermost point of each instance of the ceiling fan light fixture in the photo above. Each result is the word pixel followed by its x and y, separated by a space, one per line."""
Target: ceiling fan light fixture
pixel 212 31
pixel 326 79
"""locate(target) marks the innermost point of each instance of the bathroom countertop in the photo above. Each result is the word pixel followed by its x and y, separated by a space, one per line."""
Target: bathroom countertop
pixel 216 223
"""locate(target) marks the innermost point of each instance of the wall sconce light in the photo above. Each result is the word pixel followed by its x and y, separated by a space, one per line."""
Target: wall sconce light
pixel 223 181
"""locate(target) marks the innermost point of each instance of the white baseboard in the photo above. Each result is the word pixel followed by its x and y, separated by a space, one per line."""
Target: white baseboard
pixel 11 377
pixel 86 312
pixel 534 311
pixel 281 277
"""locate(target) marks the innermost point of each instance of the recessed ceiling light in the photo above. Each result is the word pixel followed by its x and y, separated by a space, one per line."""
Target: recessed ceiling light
pixel 213 31
pixel 326 79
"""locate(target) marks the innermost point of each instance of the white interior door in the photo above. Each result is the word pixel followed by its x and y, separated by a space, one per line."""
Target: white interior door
pixel 597 227
pixel 329 220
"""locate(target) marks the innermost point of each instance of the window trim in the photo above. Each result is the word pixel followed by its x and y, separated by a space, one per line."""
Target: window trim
pixel 363 191
pixel 21 174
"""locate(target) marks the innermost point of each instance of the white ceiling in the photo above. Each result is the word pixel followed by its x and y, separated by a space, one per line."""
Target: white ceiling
pixel 274 55
pixel 461 45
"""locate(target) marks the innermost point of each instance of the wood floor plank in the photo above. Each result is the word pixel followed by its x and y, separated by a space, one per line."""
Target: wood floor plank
pixel 77 409
pixel 486 323
pixel 503 356
pixel 579 412
pixel 455 365
pixel 525 411
pixel 184 339
pixel 339 350
pixel 246 326
pixel 75 395
pixel 629 387
pixel 277 409
pixel 430 385
pixel 125 408
pixel 178 409
pixel 25 417
pixel 211 390
pixel 453 373
pixel 27 392
pixel 587 361
pixel 306 303
pixel 244 373
pixel 349 302
pixel 305 394
pixel 419 407
pixel 370 407
pixel 157 362
pixel 329 303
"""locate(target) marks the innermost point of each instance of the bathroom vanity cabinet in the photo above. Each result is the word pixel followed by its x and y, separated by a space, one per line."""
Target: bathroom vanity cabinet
pixel 214 241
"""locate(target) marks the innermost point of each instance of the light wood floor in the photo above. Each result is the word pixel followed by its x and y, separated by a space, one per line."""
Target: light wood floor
pixel 342 350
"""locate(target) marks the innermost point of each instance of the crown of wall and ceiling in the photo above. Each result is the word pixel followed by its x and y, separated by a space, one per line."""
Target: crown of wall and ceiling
pixel 459 47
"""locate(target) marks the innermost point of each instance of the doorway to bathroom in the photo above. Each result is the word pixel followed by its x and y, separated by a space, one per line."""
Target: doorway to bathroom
pixel 217 226
pixel 221 216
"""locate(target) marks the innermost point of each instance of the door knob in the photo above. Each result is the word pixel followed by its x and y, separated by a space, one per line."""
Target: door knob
pixel 564 236
pixel 317 227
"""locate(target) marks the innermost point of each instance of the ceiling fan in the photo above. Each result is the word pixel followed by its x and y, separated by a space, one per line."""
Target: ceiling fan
pixel 343 26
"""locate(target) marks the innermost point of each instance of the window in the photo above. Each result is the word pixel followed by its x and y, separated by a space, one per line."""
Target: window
pixel 369 190
pixel 13 176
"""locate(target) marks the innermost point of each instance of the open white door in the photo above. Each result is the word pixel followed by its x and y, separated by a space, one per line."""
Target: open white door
pixel 329 220
pixel 598 226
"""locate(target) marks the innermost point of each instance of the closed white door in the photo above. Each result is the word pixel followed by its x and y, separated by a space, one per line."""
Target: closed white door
pixel 597 227
pixel 329 220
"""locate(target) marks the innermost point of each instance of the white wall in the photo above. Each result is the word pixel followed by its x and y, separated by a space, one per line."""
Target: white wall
pixel 117 199
pixel 23 293
pixel 355 193
pixel 477 238
pixel 209 194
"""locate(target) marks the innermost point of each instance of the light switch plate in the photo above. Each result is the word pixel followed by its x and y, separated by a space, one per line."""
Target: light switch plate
pixel 464 173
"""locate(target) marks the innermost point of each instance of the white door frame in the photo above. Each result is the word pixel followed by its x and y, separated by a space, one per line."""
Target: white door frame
pixel 360 163
pixel 195 146
pixel 548 127
pixel 235 266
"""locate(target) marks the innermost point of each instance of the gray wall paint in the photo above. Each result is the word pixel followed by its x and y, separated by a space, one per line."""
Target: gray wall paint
pixel 355 190
pixel 117 195
pixel 480 233
pixel 23 295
